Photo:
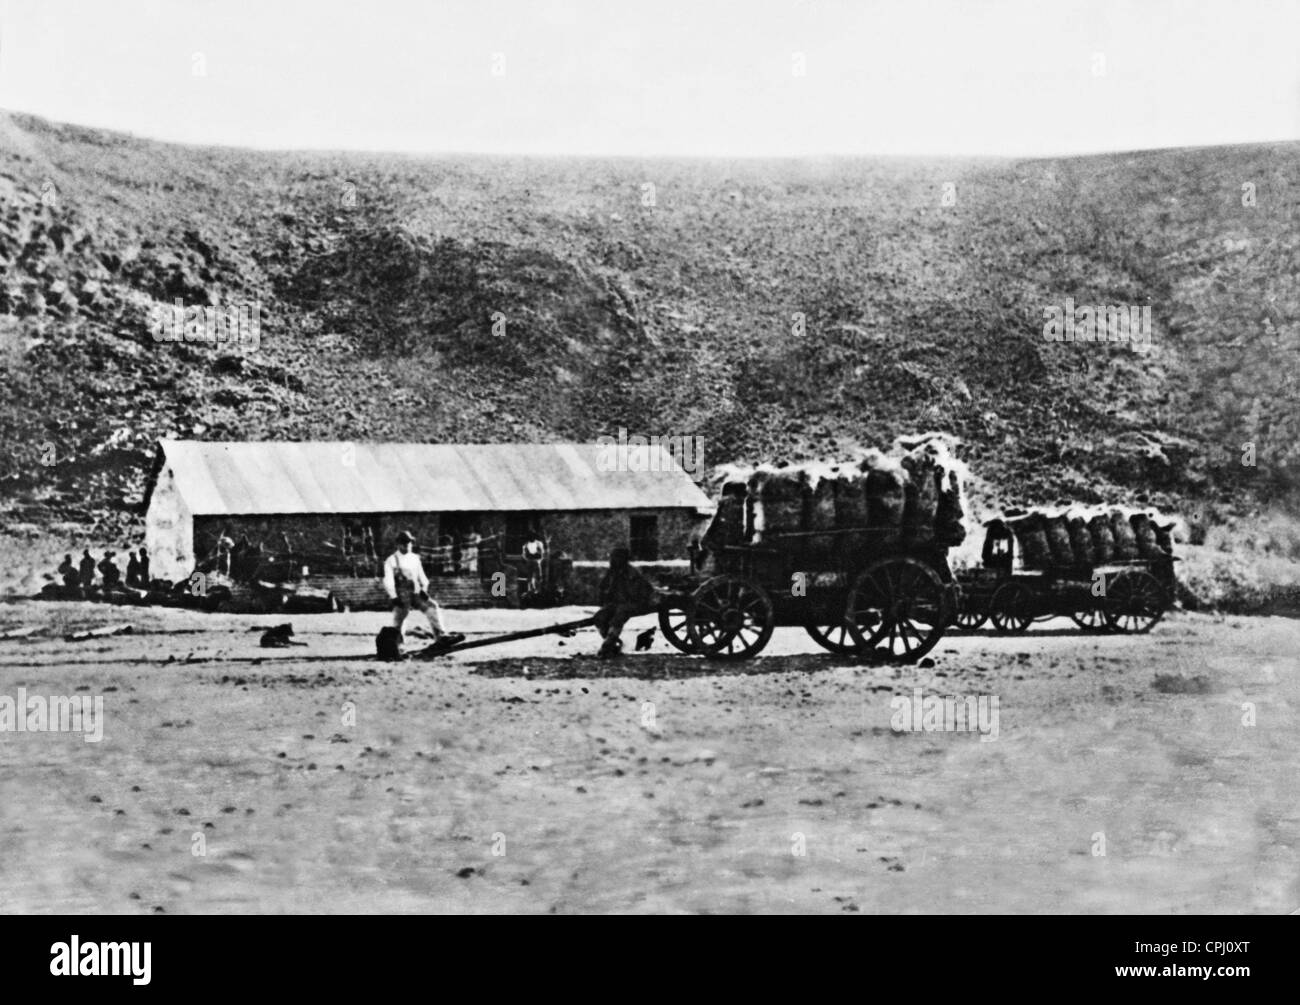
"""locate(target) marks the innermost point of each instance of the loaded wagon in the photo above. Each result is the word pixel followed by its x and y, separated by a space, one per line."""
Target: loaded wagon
pixel 1108 571
pixel 855 554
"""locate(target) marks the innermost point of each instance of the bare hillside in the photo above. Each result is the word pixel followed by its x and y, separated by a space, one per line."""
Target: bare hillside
pixel 481 299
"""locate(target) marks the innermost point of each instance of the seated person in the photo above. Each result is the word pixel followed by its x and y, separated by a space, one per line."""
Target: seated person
pixel 69 575
pixel 109 571
pixel 624 593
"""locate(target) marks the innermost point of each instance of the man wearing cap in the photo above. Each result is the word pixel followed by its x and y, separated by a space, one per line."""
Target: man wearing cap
pixel 408 588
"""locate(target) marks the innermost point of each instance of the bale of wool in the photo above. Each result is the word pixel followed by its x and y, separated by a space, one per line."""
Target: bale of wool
pixel 726 477
pixel 1165 538
pixel 850 486
pixel 1126 545
pixel 820 514
pixel 1031 536
pixel 921 493
pixel 1080 540
pixel 886 494
pixel 950 516
pixel 1144 529
pixel 780 496
pixel 730 523
pixel 1058 540
pixel 1103 541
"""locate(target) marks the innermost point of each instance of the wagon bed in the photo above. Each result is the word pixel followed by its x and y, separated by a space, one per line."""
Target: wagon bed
pixel 1117 595
pixel 866 591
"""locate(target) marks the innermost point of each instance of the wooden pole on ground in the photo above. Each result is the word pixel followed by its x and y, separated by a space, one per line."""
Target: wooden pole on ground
pixel 432 652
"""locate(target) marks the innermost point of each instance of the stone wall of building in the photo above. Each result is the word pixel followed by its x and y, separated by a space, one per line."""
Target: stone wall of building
pixel 585 536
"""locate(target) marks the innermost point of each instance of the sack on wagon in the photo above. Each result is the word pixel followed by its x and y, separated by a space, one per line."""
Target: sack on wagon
pixel 936 505
pixel 1031 538
pixel 1148 544
pixel 1058 540
pixel 779 497
pixel 1080 539
pixel 886 489
pixel 1165 538
pixel 950 516
pixel 921 498
pixel 819 513
pixel 1126 545
pixel 1103 541
pixel 729 524
pixel 850 488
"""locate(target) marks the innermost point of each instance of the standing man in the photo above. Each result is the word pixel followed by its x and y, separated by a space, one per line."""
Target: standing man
pixel 87 570
pixel 469 552
pixel 224 547
pixel 408 588
pixel 534 555
pixel 144 567
pixel 132 570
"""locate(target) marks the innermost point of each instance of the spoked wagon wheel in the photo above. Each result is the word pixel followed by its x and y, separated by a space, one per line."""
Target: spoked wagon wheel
pixel 1135 601
pixel 970 617
pixel 673 623
pixel 833 638
pixel 1091 619
pixel 897 610
pixel 730 618
pixel 1012 608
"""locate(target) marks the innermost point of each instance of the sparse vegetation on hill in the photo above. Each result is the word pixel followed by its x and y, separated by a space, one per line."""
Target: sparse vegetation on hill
pixel 493 300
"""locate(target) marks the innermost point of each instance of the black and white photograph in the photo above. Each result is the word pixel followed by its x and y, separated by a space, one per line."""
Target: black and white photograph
pixel 650 457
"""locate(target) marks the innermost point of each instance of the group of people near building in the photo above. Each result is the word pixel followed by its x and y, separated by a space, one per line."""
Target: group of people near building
pixel 239 560
pixel 78 580
pixel 624 591
pixel 457 554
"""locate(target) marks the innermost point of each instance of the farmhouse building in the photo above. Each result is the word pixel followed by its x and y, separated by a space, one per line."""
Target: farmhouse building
pixel 334 506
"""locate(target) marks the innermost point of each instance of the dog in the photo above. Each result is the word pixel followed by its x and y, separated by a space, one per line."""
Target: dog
pixel 279 637
pixel 645 640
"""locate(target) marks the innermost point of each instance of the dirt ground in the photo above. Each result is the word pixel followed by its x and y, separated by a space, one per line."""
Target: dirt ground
pixel 533 778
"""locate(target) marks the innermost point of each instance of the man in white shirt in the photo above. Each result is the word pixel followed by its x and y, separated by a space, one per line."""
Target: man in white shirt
pixel 534 554
pixel 408 587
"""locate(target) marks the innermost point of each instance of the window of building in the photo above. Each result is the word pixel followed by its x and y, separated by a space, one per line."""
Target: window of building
pixel 645 538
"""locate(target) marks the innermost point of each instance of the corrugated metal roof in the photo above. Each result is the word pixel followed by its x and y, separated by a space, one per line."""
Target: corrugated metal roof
pixel 217 479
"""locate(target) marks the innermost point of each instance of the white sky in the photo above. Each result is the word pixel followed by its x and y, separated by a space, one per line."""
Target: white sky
pixel 673 77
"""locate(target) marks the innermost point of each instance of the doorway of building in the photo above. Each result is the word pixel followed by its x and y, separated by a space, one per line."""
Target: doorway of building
pixel 644 538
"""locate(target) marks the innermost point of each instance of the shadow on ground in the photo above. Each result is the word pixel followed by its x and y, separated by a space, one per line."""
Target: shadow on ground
pixel 659 667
